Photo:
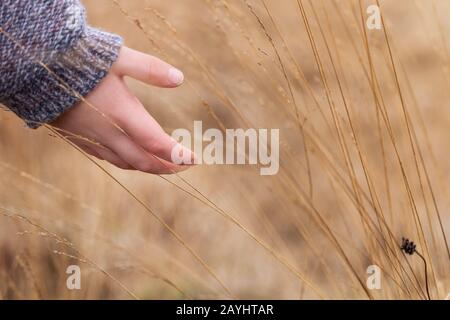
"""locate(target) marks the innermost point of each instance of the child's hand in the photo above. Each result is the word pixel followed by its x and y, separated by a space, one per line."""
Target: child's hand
pixel 144 139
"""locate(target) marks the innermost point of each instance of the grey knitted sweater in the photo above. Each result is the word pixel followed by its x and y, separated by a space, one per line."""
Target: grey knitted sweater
pixel 35 34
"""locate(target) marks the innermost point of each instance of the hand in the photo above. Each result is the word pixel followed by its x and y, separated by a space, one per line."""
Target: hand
pixel 141 144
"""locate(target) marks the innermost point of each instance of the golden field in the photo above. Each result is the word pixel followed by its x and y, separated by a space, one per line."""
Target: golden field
pixel 364 121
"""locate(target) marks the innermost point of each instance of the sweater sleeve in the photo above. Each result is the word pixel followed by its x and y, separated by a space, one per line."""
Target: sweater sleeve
pixel 40 34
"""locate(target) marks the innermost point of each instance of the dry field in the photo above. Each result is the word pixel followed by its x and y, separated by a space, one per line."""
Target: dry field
pixel 364 121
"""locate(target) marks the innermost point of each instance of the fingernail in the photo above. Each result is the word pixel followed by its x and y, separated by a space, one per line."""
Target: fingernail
pixel 176 77
pixel 191 159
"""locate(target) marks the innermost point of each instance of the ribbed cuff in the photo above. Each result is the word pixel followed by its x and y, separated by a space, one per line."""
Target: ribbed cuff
pixel 74 73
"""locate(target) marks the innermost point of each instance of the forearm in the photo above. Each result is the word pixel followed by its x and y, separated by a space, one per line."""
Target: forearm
pixel 54 33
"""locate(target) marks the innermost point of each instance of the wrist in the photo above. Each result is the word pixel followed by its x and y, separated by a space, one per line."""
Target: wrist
pixel 71 74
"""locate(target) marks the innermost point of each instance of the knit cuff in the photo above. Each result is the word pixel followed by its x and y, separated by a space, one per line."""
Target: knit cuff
pixel 70 75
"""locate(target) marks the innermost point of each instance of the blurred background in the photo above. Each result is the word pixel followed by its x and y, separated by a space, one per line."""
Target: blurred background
pixel 363 161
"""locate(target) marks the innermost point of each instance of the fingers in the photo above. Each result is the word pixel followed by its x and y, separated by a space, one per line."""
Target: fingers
pixel 143 144
pixel 114 159
pixel 135 158
pixel 138 158
pixel 107 155
pixel 143 129
pixel 148 69
pixel 91 151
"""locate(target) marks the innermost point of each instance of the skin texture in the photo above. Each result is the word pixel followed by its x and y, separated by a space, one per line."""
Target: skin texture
pixel 141 144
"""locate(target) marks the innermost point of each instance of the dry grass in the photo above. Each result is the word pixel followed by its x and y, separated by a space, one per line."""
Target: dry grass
pixel 363 118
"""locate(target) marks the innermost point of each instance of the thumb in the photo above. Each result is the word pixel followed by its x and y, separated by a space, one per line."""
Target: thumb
pixel 147 68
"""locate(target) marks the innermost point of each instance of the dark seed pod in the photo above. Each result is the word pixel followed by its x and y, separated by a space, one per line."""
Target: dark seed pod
pixel 408 246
